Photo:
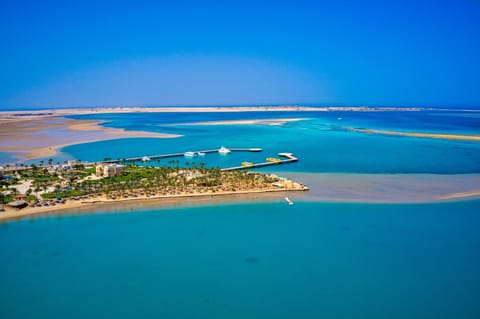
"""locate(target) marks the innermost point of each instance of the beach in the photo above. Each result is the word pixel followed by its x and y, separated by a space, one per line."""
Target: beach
pixel 40 137
pixel 348 188
pixel 458 137
pixel 92 204
pixel 41 133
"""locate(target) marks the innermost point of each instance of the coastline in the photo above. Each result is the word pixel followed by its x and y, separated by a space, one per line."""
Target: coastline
pixel 26 114
pixel 323 187
pixel 43 137
pixel 92 204
pixel 41 133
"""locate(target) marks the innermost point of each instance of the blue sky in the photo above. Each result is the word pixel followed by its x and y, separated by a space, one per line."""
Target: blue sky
pixel 162 53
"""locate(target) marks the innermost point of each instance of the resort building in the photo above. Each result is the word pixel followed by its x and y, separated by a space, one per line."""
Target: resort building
pixel 18 204
pixel 72 163
pixel 109 170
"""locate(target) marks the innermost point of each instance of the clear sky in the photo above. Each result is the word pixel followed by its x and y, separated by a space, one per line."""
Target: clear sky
pixel 162 53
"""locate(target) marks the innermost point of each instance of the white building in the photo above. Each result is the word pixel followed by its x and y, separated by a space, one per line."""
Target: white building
pixel 72 163
pixel 108 170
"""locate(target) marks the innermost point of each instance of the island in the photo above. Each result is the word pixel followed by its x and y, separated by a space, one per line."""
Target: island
pixel 39 189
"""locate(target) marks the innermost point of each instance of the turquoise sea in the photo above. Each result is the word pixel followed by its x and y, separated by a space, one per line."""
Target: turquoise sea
pixel 260 258
pixel 263 260
pixel 322 142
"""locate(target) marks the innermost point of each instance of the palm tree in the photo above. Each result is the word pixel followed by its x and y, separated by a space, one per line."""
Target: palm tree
pixel 2 198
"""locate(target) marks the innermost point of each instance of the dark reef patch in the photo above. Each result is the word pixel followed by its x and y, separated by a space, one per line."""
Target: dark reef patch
pixel 252 260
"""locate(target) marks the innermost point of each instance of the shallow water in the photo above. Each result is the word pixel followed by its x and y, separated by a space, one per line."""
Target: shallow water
pixel 263 260
pixel 321 143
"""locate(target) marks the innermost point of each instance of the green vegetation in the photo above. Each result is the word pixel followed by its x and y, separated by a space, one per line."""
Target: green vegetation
pixel 164 180
pixel 134 182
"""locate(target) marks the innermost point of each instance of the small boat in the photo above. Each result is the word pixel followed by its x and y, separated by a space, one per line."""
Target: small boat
pixel 247 164
pixel 223 150
pixel 273 160
pixel 189 154
pixel 145 159
pixel 288 201
pixel 201 154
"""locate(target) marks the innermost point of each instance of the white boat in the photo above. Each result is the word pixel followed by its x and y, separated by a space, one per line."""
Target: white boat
pixel 145 159
pixel 223 150
pixel 201 154
pixel 189 154
pixel 288 201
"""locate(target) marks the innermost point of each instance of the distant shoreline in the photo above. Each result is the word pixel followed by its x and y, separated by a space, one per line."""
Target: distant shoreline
pixel 35 134
pixel 26 114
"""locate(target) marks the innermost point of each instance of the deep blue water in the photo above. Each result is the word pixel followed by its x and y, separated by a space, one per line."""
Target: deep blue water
pixel 264 260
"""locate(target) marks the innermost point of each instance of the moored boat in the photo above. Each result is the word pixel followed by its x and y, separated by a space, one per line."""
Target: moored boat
pixel 223 150
pixel 189 154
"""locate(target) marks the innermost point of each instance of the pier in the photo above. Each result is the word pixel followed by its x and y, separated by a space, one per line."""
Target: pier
pixel 137 159
pixel 289 159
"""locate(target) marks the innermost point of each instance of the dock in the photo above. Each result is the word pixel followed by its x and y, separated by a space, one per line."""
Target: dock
pixel 289 159
pixel 137 159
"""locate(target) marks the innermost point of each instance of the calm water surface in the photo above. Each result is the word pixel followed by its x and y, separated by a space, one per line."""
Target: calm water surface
pixel 265 260
pixel 321 142
pixel 260 260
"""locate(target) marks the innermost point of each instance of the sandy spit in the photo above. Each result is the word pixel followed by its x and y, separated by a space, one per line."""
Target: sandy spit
pixel 461 137
pixel 44 136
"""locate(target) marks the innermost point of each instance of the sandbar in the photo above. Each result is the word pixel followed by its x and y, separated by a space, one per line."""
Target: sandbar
pixel 269 122
pixel 42 137
pixel 324 187
pixel 387 188
pixel 460 137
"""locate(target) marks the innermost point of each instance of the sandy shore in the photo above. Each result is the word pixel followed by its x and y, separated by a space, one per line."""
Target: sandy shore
pixel 468 194
pixel 43 137
pixel 91 205
pixel 353 188
pixel 39 134
pixel 461 137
